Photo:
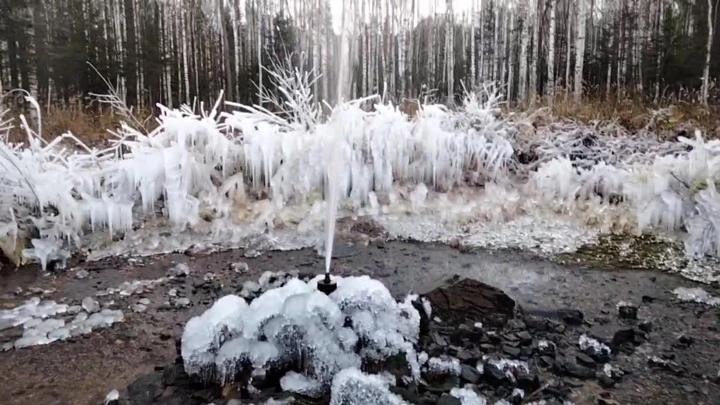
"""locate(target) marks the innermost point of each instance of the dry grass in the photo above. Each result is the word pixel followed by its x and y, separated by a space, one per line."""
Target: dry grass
pixel 91 126
pixel 668 120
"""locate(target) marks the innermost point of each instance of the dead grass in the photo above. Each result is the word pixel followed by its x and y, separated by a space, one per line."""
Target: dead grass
pixel 668 120
pixel 91 126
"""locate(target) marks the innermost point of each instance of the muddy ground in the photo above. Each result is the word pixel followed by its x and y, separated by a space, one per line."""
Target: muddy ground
pixel 83 370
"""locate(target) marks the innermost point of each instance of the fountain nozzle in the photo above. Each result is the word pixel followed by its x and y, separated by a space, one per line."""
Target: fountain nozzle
pixel 327 286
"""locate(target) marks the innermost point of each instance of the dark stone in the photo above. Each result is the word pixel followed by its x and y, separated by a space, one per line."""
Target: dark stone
pixel 438 339
pixel 585 360
pixel 174 375
pixel 547 361
pixel 527 382
pixel 602 320
pixel 494 376
pixel 441 384
pixel 630 336
pixel 684 341
pixel 468 356
pixel 462 300
pixel 573 317
pixel 627 311
pixel 447 399
pixel 469 374
pixel 145 389
pixel 511 351
pixel 645 326
pixel 605 380
pixel 424 319
pixel 646 299
pixel 666 365
pixel 487 347
pixel 525 337
pixel 575 370
pixel 408 394
pixel 547 348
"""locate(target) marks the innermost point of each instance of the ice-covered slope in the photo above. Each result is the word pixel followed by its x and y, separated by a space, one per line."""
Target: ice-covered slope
pixel 236 176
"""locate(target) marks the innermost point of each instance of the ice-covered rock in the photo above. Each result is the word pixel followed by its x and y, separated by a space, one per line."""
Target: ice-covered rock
pixel 295 325
pixel 468 396
pixel 593 347
pixel 112 397
pixel 300 384
pixel 352 387
pixel 696 294
pixel 179 270
pixel 90 305
pixel 32 308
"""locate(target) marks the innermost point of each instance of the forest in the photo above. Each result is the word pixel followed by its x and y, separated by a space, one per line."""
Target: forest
pixel 177 51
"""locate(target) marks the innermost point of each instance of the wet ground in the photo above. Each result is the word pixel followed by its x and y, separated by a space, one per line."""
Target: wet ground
pixel 84 369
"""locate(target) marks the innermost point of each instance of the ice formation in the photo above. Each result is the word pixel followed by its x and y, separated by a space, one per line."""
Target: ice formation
pixel 229 178
pixel 302 333
pixel 43 321
pixel 696 294
pixel 351 386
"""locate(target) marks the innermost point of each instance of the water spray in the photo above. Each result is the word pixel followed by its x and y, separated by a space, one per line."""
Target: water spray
pixel 332 178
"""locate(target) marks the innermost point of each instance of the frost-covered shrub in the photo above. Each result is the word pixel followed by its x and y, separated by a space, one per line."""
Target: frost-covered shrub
pixel 300 332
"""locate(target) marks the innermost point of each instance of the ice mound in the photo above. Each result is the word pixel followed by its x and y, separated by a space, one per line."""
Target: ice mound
pixel 296 331
pixel 42 326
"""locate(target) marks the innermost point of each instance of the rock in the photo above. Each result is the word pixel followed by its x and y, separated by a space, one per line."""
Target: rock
pixel 575 370
pixel 607 401
pixel 667 365
pixel 144 301
pixel 469 374
pixel 527 381
pixel 182 302
pixel 573 317
pixel 546 348
pixel 74 309
pixel 546 361
pixel 628 338
pixel 684 341
pixel 645 326
pixel 424 316
pixel 411 395
pixel 517 396
pixel 139 308
pixel 511 351
pixel 585 360
pixel 240 267
pixel 179 270
pixel 494 376
pixel 90 305
pixel 113 398
pixel 462 300
pixel 81 274
pixel 447 399
pixel 525 337
pixel 626 310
